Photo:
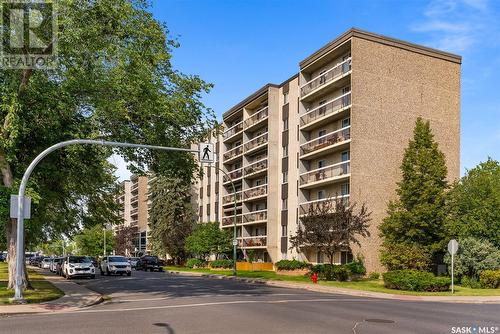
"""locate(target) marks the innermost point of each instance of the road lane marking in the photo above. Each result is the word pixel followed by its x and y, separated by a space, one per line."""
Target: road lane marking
pixel 208 295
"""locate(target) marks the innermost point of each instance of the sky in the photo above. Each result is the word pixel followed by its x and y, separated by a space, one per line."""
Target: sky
pixel 241 45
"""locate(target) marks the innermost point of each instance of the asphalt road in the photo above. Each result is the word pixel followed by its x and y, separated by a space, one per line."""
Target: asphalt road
pixel 163 303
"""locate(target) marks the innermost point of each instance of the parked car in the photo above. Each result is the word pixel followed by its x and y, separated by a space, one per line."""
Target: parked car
pixel 115 265
pixel 150 262
pixel 45 263
pixel 75 266
pixel 133 261
pixel 53 264
pixel 94 261
pixel 59 267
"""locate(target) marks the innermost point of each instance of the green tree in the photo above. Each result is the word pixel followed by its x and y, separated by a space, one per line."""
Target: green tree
pixel 417 216
pixel 91 241
pixel 124 239
pixel 171 217
pixel 332 226
pixel 114 80
pixel 473 204
pixel 208 239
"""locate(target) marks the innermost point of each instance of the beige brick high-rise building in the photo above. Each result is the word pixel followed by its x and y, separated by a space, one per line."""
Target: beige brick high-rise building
pixel 337 128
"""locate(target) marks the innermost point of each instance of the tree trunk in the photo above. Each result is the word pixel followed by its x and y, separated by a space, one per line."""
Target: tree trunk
pixel 11 231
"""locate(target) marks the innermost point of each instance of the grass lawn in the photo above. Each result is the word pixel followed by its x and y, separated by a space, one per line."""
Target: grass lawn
pixel 42 290
pixel 365 285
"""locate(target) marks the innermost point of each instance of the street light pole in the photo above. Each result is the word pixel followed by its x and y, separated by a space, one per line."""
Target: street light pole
pixel 18 291
pixel 104 249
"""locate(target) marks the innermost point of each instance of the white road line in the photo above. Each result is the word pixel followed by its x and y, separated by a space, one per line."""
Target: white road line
pixel 209 295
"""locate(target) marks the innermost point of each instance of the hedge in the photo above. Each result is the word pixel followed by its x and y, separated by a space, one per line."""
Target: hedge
pixel 195 263
pixel 329 272
pixel 226 264
pixel 291 265
pixel 490 279
pixel 414 280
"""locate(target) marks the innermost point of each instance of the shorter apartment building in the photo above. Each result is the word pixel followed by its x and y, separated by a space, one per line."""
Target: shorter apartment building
pixel 337 128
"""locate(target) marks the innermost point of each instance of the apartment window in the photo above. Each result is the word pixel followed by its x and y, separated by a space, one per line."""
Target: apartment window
pixel 321 163
pixel 284 231
pixel 285 97
pixel 260 206
pixel 285 177
pixel 345 156
pixel 208 209
pixel 322 109
pixel 322 78
pixel 319 257
pixel 321 133
pixel 344 189
pixel 345 257
pixel 346 122
pixel 285 124
pixel 321 194
pixel 285 151
pixel 284 204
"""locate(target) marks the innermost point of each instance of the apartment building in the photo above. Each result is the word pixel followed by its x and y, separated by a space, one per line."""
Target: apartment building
pixel 338 127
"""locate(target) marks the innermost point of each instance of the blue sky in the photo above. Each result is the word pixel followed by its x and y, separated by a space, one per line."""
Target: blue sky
pixel 240 45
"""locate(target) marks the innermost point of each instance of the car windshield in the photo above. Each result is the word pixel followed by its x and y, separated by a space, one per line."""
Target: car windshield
pixel 58 260
pixel 117 259
pixel 46 260
pixel 79 259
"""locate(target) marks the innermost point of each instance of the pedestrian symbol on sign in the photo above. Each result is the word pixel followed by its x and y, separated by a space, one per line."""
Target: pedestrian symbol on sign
pixel 206 151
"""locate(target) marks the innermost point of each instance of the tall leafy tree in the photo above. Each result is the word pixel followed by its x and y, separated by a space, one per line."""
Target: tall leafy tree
pixel 91 241
pixel 208 239
pixel 417 216
pixel 172 217
pixel 473 204
pixel 124 239
pixel 113 80
pixel 332 226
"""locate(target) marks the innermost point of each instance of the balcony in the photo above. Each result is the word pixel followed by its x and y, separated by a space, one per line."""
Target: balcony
pixel 134 211
pixel 233 130
pixel 229 199
pixel 325 175
pixel 233 175
pixel 252 242
pixel 256 143
pixel 256 168
pixel 306 206
pixel 323 112
pixel 259 216
pixel 233 153
pixel 325 79
pixel 134 198
pixel 255 192
pixel 325 144
pixel 257 118
pixel 229 220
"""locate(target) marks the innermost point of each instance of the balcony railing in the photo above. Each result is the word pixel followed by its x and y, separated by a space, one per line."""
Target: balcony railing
pixel 234 174
pixel 331 138
pixel 257 117
pixel 256 167
pixel 326 109
pixel 233 130
pixel 134 211
pixel 226 221
pixel 257 241
pixel 235 151
pixel 230 198
pixel 325 173
pixel 304 207
pixel 255 192
pixel 326 77
pixel 257 141
pixel 255 216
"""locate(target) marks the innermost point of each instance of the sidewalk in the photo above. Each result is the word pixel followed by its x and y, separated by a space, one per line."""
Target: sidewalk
pixel 351 292
pixel 75 297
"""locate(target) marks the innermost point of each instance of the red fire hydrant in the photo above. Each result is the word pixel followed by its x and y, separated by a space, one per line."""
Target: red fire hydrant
pixel 314 278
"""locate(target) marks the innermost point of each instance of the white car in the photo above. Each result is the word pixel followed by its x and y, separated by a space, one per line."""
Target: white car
pixel 45 263
pixel 54 262
pixel 133 261
pixel 78 266
pixel 115 265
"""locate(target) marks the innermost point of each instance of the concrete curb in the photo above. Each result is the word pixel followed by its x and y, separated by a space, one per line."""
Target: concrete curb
pixel 351 292
pixel 75 297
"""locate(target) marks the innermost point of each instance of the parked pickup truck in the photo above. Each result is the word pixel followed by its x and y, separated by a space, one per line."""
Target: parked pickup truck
pixel 115 265
pixel 149 262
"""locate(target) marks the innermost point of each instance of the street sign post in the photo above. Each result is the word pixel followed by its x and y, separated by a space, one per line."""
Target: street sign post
pixel 235 242
pixel 206 152
pixel 14 200
pixel 452 249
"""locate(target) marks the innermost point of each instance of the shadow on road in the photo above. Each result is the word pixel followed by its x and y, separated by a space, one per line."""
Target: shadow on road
pixel 166 326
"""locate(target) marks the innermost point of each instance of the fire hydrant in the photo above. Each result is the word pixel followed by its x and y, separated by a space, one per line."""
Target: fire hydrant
pixel 314 278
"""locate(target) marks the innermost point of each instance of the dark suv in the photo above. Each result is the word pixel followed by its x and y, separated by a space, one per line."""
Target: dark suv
pixel 149 262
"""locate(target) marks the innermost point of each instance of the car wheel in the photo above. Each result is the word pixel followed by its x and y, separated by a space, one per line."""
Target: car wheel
pixel 107 272
pixel 160 270
pixel 102 272
pixel 128 274
pixel 92 277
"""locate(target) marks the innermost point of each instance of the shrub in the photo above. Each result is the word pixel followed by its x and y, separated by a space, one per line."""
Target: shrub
pixel 414 280
pixel 356 267
pixel 473 257
pixel 404 256
pixel 490 279
pixel 291 265
pixel 330 272
pixel 470 282
pixel 195 263
pixel 222 264
pixel 374 276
